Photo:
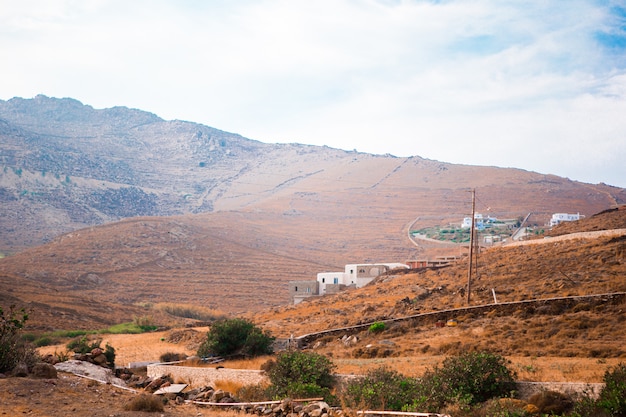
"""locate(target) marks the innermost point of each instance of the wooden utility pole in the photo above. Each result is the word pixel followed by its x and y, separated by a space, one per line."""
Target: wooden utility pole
pixel 471 248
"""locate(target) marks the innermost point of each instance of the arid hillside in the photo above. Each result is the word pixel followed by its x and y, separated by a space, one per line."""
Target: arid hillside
pixel 540 269
pixel 108 212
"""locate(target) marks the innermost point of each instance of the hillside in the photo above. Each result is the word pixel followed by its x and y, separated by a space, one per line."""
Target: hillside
pixel 545 269
pixel 105 212
pixel 66 166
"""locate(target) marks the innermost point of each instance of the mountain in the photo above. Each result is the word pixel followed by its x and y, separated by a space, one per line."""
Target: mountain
pixel 117 207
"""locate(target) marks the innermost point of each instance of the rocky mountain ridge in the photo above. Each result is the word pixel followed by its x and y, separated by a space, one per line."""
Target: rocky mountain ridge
pixel 66 165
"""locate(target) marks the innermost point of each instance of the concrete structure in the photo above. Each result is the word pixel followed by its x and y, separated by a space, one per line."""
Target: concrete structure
pixel 357 275
pixel 564 217
pixel 299 290
pixel 439 261
pixel 354 275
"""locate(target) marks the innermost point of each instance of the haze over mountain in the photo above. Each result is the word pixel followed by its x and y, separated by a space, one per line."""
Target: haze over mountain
pixel 262 213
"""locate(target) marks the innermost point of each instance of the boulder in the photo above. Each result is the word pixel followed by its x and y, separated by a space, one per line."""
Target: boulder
pixel 218 395
pixel 44 370
pixel 99 359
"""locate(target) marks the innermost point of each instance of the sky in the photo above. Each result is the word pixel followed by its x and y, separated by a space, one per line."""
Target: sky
pixel 536 85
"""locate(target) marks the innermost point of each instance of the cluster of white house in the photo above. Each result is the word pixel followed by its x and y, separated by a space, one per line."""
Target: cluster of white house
pixel 354 276
pixel 480 221
pixel 359 275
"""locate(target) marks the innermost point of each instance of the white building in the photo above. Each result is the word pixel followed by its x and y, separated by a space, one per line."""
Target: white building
pixel 564 217
pixel 357 275
pixel 478 222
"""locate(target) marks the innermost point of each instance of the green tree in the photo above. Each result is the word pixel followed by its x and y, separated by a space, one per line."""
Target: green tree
pixel 300 374
pixel 236 337
pixel 380 389
pixel 467 379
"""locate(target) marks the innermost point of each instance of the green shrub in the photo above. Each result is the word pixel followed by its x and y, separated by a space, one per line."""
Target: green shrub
pixel 145 402
pixel 109 353
pixel 13 348
pixel 236 337
pixel 613 395
pixel 300 374
pixel 380 389
pixel 44 341
pixel 467 379
pixel 29 337
pixel 377 327
pixel 82 345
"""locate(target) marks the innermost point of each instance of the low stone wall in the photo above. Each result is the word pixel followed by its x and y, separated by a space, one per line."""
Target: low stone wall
pixel 543 306
pixel 203 376
pixel 574 389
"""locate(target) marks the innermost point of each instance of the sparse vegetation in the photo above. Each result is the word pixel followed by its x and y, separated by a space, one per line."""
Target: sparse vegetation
pixel 377 327
pixel 191 311
pixel 13 348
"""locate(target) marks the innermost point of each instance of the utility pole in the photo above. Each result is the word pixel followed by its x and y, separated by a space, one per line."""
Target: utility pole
pixel 471 248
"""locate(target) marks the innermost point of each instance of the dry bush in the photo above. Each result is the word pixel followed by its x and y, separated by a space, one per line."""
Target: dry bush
pixel 251 363
pixel 172 357
pixel 252 393
pixel 228 386
pixel 144 402
pixel 551 402
pixel 191 311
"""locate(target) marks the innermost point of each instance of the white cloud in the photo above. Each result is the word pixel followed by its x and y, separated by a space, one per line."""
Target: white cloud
pixel 529 82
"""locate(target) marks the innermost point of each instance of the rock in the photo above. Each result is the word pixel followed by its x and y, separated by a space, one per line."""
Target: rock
pixel 99 359
pixel 51 359
pixel 96 352
pixel 218 395
pixel 156 384
pixel 20 370
pixel 44 370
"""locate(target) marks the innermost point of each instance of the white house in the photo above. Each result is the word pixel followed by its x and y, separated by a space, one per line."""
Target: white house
pixel 564 217
pixel 357 275
pixel 478 222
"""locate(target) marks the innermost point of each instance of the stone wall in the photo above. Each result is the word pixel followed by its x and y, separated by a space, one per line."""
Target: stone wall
pixel 545 306
pixel 574 389
pixel 203 376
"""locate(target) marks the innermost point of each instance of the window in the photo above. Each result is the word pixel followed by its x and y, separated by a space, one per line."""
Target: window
pixel 335 280
pixel 323 280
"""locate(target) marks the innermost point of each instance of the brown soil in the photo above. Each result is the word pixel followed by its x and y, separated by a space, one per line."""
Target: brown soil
pixel 70 395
